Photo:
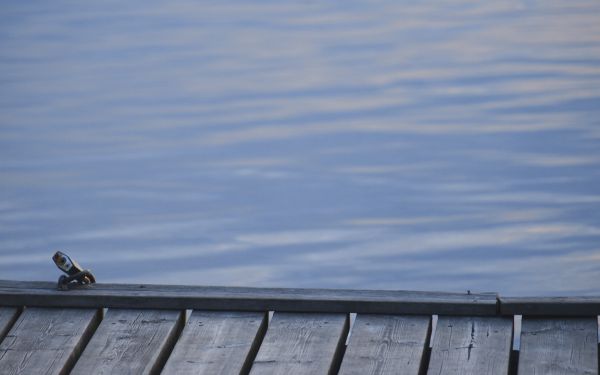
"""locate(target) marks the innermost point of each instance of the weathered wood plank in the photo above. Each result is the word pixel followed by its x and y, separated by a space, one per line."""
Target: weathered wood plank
pixel 386 344
pixel 247 299
pixel 8 315
pixel 131 342
pixel 301 343
pixel 46 340
pixel 550 306
pixel 216 342
pixel 559 346
pixel 471 345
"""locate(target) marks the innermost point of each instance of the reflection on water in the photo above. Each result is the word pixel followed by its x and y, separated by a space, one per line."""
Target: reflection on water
pixel 394 145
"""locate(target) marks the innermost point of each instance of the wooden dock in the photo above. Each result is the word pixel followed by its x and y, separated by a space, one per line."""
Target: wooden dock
pixel 151 329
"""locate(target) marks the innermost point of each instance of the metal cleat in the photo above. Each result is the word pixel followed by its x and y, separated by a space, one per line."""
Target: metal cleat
pixel 75 274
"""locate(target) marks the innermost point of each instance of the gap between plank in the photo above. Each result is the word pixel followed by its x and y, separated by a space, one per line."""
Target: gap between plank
pixel 85 338
pixel 352 320
pixel 258 339
pixel 424 366
pixel 169 344
pixel 11 322
pixel 340 350
pixel 513 359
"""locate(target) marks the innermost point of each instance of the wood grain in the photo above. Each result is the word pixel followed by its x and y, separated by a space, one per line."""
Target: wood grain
pixel 471 345
pixel 214 343
pixel 386 344
pixel 247 299
pixel 46 340
pixel 301 343
pixel 131 342
pixel 559 346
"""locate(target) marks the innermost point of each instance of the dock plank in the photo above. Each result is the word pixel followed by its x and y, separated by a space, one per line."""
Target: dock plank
pixel 131 342
pixel 177 297
pixel 8 315
pixel 301 343
pixel 559 346
pixel 214 343
pixel 471 345
pixel 46 340
pixel 386 344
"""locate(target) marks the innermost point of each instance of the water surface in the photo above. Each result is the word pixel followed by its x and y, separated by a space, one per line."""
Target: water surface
pixel 388 144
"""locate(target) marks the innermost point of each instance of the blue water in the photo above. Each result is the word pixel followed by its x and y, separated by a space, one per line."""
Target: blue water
pixel 389 144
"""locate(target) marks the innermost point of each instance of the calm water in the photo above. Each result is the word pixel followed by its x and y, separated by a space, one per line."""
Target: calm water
pixel 395 145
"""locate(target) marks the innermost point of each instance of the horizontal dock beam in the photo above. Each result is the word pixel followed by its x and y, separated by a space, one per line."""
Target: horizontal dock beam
pixel 45 294
pixel 549 306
